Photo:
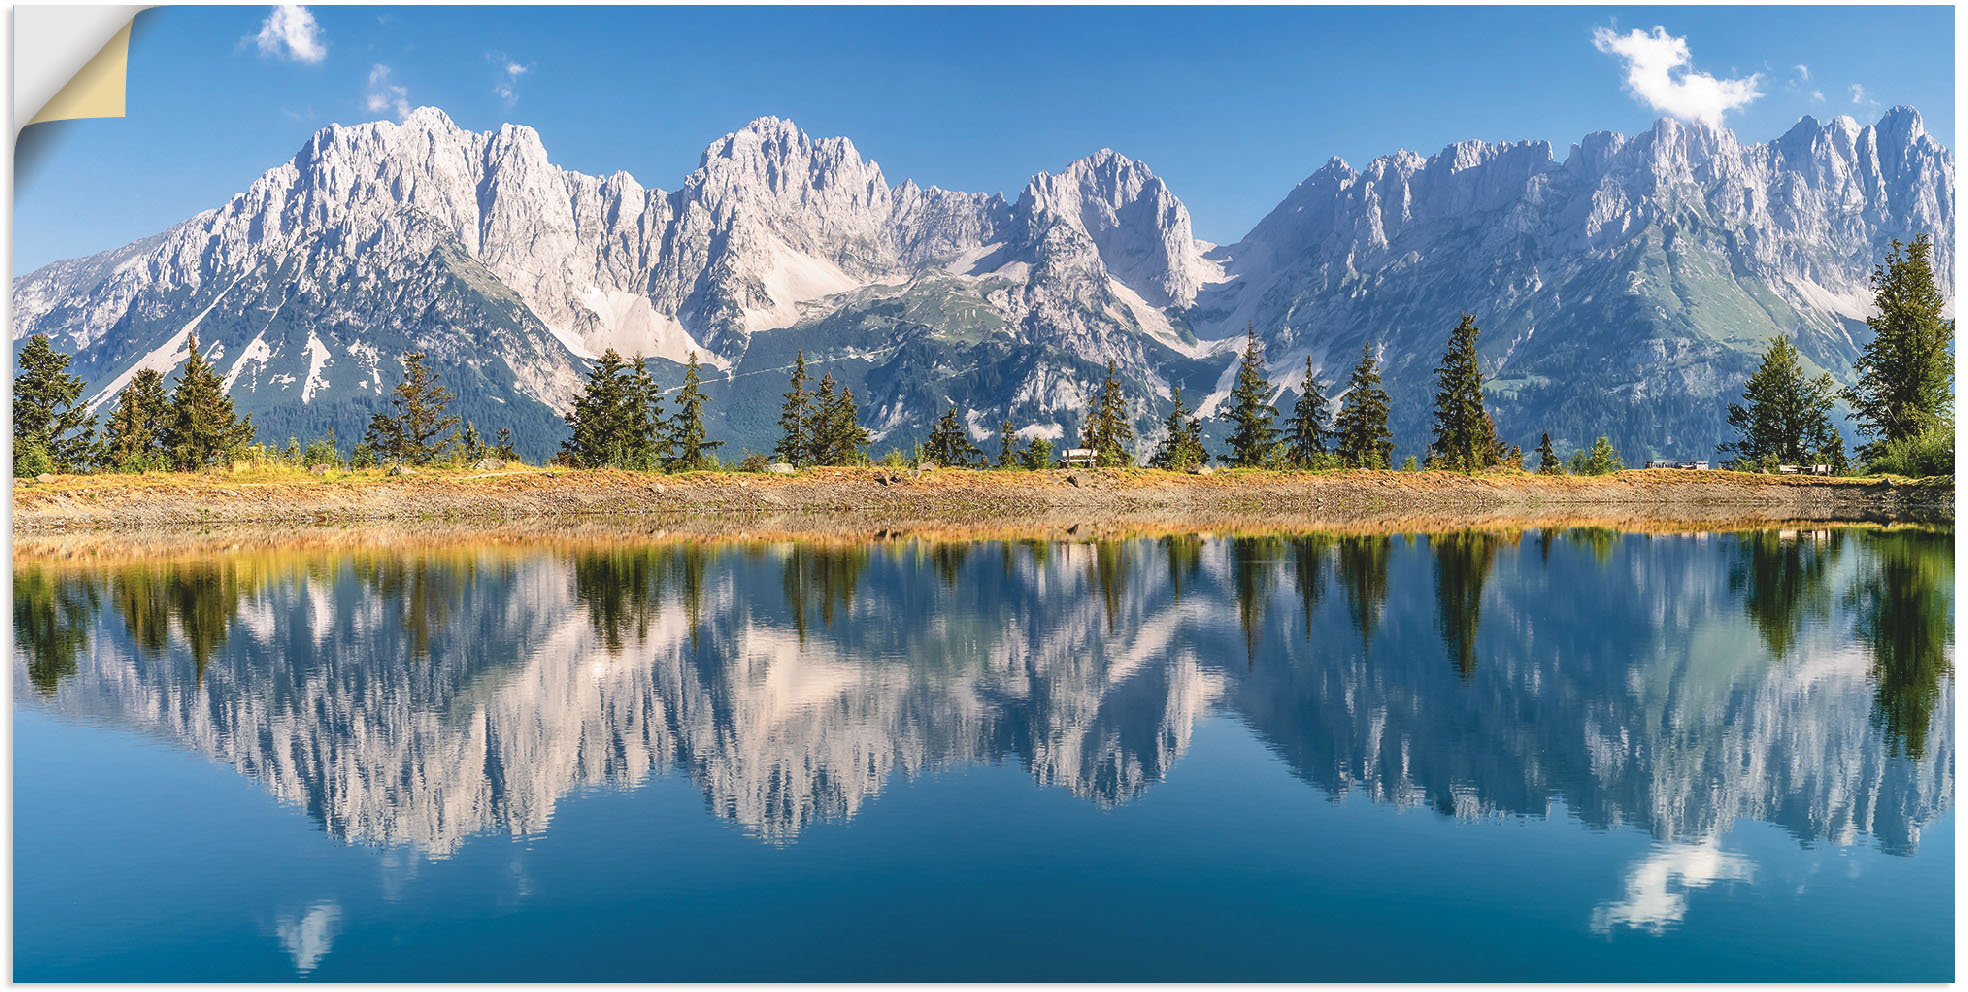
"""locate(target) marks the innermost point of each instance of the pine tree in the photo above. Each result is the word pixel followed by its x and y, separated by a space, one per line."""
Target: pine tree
pixel 203 429
pixel 1548 463
pixel 1182 438
pixel 1007 446
pixel 472 445
pixel 817 445
pixel 649 431
pixel 1038 454
pixel 949 441
pixel 503 448
pixel 1788 417
pixel 795 431
pixel 837 433
pixel 1307 430
pixel 46 419
pixel 1252 437
pixel 1364 441
pixel 134 437
pixel 1602 459
pixel 1465 437
pixel 1108 432
pixel 419 433
pixel 603 417
pixel 1906 372
pixel 689 450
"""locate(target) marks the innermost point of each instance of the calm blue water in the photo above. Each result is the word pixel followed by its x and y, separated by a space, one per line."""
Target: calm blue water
pixel 1523 755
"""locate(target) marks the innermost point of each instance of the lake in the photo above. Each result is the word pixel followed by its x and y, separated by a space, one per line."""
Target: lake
pixel 1576 754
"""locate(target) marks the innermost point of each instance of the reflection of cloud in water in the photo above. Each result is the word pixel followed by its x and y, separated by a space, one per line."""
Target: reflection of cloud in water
pixel 1657 886
pixel 308 939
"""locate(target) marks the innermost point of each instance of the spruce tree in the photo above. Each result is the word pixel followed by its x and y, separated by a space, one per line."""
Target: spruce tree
pixel 419 432
pixel 1906 372
pixel 134 437
pixel 817 445
pixel 1602 459
pixel 1548 463
pixel 1465 437
pixel 1182 438
pixel 1251 414
pixel 470 443
pixel 649 433
pixel 1108 432
pixel 795 444
pixel 1038 454
pixel 503 447
pixel 1788 417
pixel 1364 440
pixel 601 419
pixel 1007 446
pixel 689 450
pixel 949 441
pixel 838 433
pixel 203 429
pixel 46 420
pixel 1307 430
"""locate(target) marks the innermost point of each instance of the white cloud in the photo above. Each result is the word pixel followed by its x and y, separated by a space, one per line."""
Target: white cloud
pixel 1658 74
pixel 309 938
pixel 385 95
pixel 1860 96
pixel 1817 96
pixel 1657 886
pixel 289 32
pixel 507 86
pixel 1803 72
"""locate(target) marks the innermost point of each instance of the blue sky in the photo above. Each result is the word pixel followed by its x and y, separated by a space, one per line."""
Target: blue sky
pixel 1232 106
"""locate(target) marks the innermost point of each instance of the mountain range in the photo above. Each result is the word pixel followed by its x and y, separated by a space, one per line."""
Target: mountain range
pixel 1625 288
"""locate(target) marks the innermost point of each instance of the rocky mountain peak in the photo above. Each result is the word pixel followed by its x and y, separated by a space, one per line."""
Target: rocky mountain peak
pixel 1141 232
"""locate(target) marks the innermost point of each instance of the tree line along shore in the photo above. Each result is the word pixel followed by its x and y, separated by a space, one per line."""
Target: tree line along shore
pixel 1901 405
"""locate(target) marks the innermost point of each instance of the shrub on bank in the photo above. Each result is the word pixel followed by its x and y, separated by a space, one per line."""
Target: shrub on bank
pixel 1930 452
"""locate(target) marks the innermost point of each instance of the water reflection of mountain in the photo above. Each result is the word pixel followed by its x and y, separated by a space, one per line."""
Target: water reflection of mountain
pixel 1671 683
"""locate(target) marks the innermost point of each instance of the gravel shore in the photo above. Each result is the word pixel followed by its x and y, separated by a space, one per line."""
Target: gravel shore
pixel 870 499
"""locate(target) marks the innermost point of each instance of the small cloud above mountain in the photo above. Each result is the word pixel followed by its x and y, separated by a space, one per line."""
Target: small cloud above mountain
pixel 1660 73
pixel 290 32
pixel 506 88
pixel 385 95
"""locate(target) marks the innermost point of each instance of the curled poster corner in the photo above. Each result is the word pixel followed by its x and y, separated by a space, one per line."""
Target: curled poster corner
pixel 70 61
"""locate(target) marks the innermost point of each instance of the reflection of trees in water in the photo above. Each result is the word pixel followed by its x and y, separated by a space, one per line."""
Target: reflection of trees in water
pixel 1110 565
pixel 1598 540
pixel 948 558
pixel 424 589
pixel 1362 566
pixel 827 574
pixel 1462 564
pixel 622 588
pixel 52 616
pixel 1253 565
pixel 1784 577
pixel 1903 605
pixel 1309 553
pixel 1185 560
pixel 1636 695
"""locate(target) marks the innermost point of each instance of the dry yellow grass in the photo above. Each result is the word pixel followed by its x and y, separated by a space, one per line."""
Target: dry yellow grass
pixel 867 500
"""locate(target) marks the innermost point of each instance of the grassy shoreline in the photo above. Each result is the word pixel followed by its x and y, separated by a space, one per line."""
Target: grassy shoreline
pixel 522 496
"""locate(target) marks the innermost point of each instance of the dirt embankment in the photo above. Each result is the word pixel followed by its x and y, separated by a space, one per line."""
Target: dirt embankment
pixel 844 499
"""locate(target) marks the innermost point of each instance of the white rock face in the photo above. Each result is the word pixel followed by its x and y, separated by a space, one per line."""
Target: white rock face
pixel 769 226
